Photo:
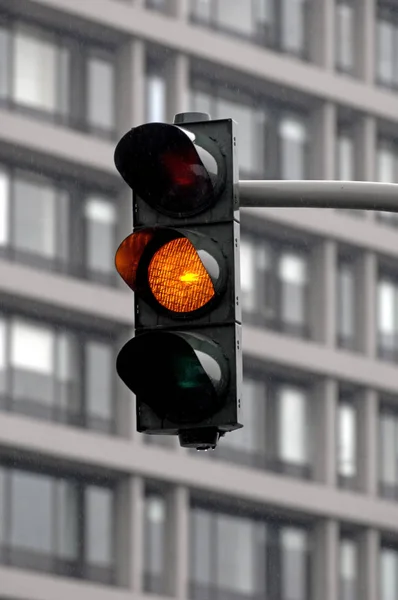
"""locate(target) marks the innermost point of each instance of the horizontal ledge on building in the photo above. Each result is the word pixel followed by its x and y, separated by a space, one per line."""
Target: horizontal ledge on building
pixel 231 52
pixel 19 584
pixel 30 289
pixel 317 359
pixel 57 143
pixel 49 443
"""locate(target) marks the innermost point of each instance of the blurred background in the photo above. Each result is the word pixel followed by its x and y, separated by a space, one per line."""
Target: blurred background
pixel 301 504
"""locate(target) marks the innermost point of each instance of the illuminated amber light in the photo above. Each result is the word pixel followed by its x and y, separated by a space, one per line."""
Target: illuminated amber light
pixel 178 279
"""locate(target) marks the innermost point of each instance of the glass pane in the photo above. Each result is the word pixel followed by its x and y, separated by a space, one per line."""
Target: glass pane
pixel 294 560
pixel 202 9
pixel 293 269
pixel 2 506
pixel 345 166
pixel 99 526
pixel 388 449
pixel 293 26
pixel 32 347
pixel 67 503
pixel 293 148
pixel 348 559
pixel 235 15
pixel 4 63
pixel 156 99
pixel 347 441
pixel 386 165
pixel 248 275
pixel 386 307
pixel 34 217
pixel 249 133
pixel 236 554
pixel 3 355
pixel 35 67
pixel 155 518
pixel 385 51
pixel 251 438
pixel 346 287
pixel 100 233
pixel 31 514
pixel 202 548
pixel 389 574
pixel 292 425
pixel 293 275
pixel 345 36
pixel 99 377
pixel 4 207
pixel 100 97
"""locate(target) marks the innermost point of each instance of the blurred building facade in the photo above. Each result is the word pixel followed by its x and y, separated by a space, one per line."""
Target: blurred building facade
pixel 302 503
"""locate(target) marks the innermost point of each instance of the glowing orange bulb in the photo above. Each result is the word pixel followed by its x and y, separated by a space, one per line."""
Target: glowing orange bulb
pixel 178 279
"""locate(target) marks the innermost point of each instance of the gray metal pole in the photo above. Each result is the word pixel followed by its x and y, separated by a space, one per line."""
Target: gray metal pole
pixel 319 194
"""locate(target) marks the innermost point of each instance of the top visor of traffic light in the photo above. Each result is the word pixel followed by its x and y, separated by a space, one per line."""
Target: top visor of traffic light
pixel 173 170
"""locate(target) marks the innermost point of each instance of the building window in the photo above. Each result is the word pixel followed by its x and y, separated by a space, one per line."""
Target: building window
pixel 387 317
pixel 155 548
pixel 278 24
pixel 348 569
pixel 246 446
pixel 387 45
pixel 242 557
pixel 345 36
pixel 156 93
pixel 41 369
pixel 48 74
pixel 387 172
pixel 292 414
pixel 388 454
pixel 388 573
pixel 346 304
pixel 100 221
pixel 41 216
pixel 293 143
pixel 275 436
pixel 347 442
pixel 100 93
pixel 48 529
pixel 275 285
pixel 345 157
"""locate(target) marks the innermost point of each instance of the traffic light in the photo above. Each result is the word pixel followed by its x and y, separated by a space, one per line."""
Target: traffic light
pixel 182 261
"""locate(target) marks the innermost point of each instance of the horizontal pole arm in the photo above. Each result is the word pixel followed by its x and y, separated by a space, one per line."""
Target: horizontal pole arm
pixel 319 194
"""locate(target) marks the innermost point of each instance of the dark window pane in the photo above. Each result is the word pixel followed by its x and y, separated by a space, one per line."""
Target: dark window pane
pixel 202 548
pixel 235 15
pixel 346 305
pixel 388 463
pixel 155 543
pixel 67 502
pixel 235 557
pixel 4 63
pixel 99 378
pixel 100 234
pixel 99 526
pixel 345 36
pixel 100 97
pixel 34 217
pixel 294 564
pixel 293 26
pixel 32 512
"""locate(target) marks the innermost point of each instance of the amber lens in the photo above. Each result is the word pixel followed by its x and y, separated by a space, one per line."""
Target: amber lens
pixel 178 279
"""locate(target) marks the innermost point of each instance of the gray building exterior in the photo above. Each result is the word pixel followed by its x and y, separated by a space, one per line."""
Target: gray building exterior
pixel 300 504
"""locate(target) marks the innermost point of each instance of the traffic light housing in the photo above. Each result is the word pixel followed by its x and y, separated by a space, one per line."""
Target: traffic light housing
pixel 182 261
